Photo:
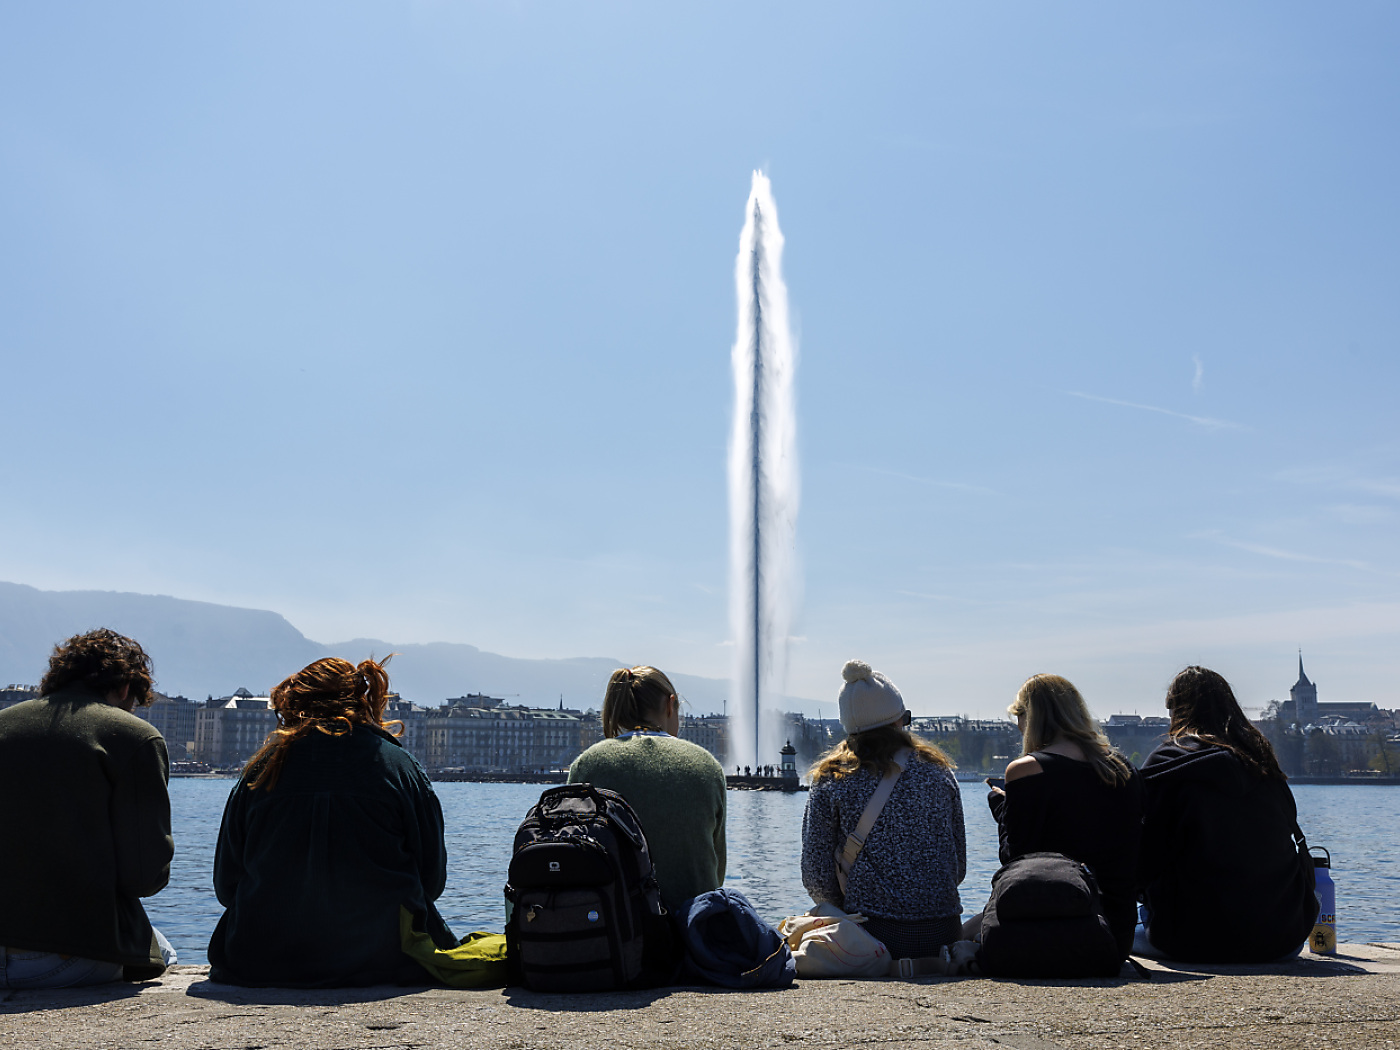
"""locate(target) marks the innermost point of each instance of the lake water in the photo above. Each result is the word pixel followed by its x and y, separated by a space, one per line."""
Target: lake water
pixel 1356 823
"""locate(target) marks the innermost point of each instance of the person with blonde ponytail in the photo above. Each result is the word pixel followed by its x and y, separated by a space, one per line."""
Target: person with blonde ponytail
pixel 332 829
pixel 1070 793
pixel 675 787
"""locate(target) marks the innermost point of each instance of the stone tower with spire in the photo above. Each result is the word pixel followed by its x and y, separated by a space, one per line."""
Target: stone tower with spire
pixel 1304 695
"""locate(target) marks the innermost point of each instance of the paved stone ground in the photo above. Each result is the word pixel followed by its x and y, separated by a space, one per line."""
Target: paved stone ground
pixel 1350 1001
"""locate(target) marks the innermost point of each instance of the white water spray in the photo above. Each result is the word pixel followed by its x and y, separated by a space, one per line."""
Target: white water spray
pixel 763 484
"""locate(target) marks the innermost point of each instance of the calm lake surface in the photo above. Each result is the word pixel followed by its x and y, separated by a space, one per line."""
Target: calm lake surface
pixel 1358 824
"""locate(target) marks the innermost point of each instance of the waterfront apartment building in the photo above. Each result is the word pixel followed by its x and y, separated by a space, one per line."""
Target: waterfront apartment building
pixel 17 694
pixel 414 737
pixel 229 730
pixel 484 733
pixel 176 718
pixel 709 731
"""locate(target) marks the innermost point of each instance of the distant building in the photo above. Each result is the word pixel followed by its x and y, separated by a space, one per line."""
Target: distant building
pixel 175 717
pixel 230 729
pixel 709 731
pixel 17 694
pixel 1303 697
pixel 414 737
pixel 484 733
pixel 1315 737
pixel 1304 709
pixel 1136 736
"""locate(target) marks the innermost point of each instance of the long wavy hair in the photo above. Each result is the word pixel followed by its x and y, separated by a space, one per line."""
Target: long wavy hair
pixel 1203 706
pixel 874 750
pixel 103 661
pixel 636 697
pixel 1054 710
pixel 330 696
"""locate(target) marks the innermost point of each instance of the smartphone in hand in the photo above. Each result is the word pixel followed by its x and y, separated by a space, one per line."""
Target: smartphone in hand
pixel 997 782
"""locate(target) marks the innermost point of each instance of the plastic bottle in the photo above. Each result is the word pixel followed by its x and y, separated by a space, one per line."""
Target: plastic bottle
pixel 1323 939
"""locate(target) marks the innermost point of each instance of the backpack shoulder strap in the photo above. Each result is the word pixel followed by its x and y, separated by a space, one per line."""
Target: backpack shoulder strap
pixel 855 841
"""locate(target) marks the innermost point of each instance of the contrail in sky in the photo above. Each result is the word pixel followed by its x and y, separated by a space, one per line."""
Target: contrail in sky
pixel 1200 421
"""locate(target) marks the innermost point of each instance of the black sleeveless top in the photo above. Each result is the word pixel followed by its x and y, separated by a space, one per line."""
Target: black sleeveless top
pixel 1068 809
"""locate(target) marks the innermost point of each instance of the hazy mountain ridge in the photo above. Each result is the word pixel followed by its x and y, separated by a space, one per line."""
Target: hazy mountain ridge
pixel 200 648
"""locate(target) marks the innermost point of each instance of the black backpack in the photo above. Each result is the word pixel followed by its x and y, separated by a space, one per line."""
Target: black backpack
pixel 1045 918
pixel 585 911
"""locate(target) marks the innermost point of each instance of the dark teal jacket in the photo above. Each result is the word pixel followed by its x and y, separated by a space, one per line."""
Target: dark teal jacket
pixel 313 872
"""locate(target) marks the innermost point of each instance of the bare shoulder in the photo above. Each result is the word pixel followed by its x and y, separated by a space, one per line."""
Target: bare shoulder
pixel 1025 766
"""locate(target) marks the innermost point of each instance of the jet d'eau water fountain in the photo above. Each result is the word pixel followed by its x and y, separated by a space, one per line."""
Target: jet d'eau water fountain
pixel 763 483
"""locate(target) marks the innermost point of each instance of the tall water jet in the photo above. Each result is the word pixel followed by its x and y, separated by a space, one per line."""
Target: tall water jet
pixel 763 482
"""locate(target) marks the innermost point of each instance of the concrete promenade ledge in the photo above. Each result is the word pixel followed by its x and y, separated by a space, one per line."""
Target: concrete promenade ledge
pixel 1350 1000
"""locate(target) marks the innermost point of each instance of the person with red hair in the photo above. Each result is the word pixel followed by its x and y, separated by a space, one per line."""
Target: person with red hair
pixel 331 830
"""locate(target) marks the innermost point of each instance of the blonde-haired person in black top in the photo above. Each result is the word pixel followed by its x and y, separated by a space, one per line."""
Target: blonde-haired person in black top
pixel 1070 793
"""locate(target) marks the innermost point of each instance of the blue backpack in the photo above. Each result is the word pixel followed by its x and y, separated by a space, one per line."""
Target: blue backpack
pixel 726 943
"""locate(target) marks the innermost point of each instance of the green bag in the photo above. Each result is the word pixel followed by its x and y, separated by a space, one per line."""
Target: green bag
pixel 478 962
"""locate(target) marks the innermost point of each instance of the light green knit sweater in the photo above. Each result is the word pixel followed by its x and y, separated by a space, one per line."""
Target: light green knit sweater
pixel 677 790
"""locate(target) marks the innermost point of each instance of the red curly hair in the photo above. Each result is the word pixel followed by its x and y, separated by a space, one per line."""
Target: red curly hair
pixel 329 696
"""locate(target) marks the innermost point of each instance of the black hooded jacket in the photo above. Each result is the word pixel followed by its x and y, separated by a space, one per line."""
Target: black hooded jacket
pixel 1221 872
pixel 315 871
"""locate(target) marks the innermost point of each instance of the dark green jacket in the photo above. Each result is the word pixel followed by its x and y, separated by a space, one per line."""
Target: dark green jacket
pixel 678 792
pixel 84 830
pixel 313 872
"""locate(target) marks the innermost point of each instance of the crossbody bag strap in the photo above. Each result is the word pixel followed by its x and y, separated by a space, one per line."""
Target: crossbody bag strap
pixel 855 841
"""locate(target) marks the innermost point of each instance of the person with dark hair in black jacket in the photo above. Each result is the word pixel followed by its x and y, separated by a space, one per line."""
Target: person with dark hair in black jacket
pixel 1224 872
pixel 85 825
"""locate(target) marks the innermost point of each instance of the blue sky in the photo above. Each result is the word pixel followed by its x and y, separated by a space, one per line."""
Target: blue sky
pixel 413 321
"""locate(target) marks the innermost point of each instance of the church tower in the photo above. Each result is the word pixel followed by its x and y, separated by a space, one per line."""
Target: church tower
pixel 1304 695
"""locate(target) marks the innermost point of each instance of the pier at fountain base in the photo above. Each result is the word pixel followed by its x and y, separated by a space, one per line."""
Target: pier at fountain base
pixel 742 783
pixel 1349 1000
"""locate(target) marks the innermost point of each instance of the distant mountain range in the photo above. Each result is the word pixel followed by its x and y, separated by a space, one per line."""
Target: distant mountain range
pixel 200 649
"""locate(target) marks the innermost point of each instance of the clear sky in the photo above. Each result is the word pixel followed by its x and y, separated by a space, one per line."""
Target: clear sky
pixel 413 320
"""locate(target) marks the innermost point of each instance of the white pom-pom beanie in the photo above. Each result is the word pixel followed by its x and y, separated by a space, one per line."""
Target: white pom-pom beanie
pixel 868 699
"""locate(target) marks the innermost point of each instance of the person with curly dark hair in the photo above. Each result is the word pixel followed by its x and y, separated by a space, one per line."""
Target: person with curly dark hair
pixel 103 662
pixel 85 827
pixel 332 831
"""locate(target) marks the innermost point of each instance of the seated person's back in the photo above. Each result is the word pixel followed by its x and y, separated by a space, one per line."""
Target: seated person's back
pixel 85 821
pixel 1218 835
pixel 904 878
pixel 331 830
pixel 1071 793
pixel 676 788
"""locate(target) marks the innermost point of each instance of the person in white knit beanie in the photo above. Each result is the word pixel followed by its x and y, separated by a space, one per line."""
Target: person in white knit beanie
pixel 904 876
pixel 869 700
